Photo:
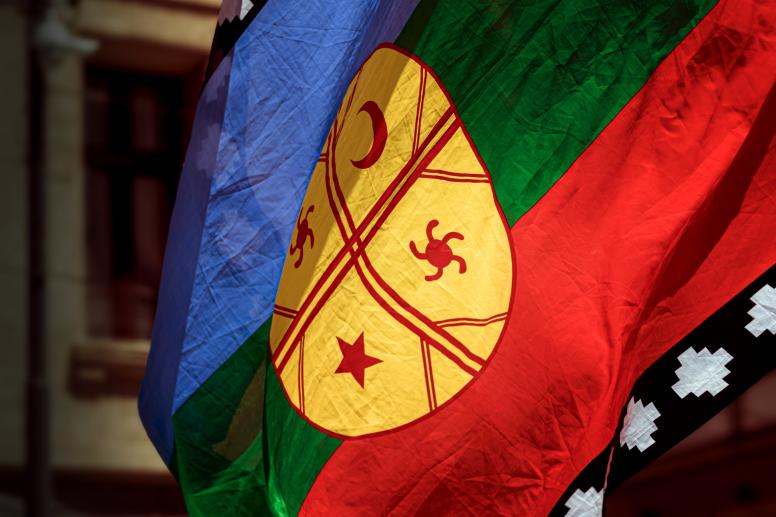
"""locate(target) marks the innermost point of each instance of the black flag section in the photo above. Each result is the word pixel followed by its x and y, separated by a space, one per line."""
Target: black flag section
pixel 700 375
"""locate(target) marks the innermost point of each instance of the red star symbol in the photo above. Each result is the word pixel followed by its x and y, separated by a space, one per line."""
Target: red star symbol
pixel 354 359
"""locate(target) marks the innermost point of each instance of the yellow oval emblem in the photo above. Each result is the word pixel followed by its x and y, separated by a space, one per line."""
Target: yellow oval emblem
pixel 398 280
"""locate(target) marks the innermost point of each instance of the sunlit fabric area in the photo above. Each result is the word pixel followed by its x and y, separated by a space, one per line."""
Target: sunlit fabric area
pixel 112 111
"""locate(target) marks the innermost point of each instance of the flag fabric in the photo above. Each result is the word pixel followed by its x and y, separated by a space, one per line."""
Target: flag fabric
pixel 442 257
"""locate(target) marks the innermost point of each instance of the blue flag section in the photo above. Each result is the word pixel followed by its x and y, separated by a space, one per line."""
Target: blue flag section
pixel 260 124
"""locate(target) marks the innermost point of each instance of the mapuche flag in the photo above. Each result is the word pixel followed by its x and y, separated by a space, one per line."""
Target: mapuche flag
pixel 446 257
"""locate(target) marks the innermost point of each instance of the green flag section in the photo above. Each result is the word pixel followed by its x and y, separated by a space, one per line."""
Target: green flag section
pixel 535 85
pixel 663 219
pixel 241 449
pixel 535 82
pixel 218 456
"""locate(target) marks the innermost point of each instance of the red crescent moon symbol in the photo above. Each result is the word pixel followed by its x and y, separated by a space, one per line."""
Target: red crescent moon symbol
pixel 380 131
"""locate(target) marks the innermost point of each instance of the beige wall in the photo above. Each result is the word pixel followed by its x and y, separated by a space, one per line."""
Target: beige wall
pixel 163 22
pixel 103 432
pixel 91 433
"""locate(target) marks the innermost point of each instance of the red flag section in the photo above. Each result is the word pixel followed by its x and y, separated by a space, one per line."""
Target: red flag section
pixel 668 214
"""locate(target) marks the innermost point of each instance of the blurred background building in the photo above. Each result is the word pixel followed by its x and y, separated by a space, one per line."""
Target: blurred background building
pixel 116 126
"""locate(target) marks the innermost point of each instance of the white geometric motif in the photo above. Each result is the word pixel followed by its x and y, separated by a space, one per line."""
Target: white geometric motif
pixel 764 312
pixel 638 425
pixel 246 6
pixel 701 372
pixel 586 504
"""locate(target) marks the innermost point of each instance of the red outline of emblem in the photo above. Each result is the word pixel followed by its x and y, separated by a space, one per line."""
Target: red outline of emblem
pixel 356 241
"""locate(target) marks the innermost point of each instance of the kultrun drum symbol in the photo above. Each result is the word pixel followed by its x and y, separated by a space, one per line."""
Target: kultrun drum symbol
pixel 403 297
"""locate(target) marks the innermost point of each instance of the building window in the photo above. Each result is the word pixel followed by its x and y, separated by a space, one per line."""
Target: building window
pixel 134 130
